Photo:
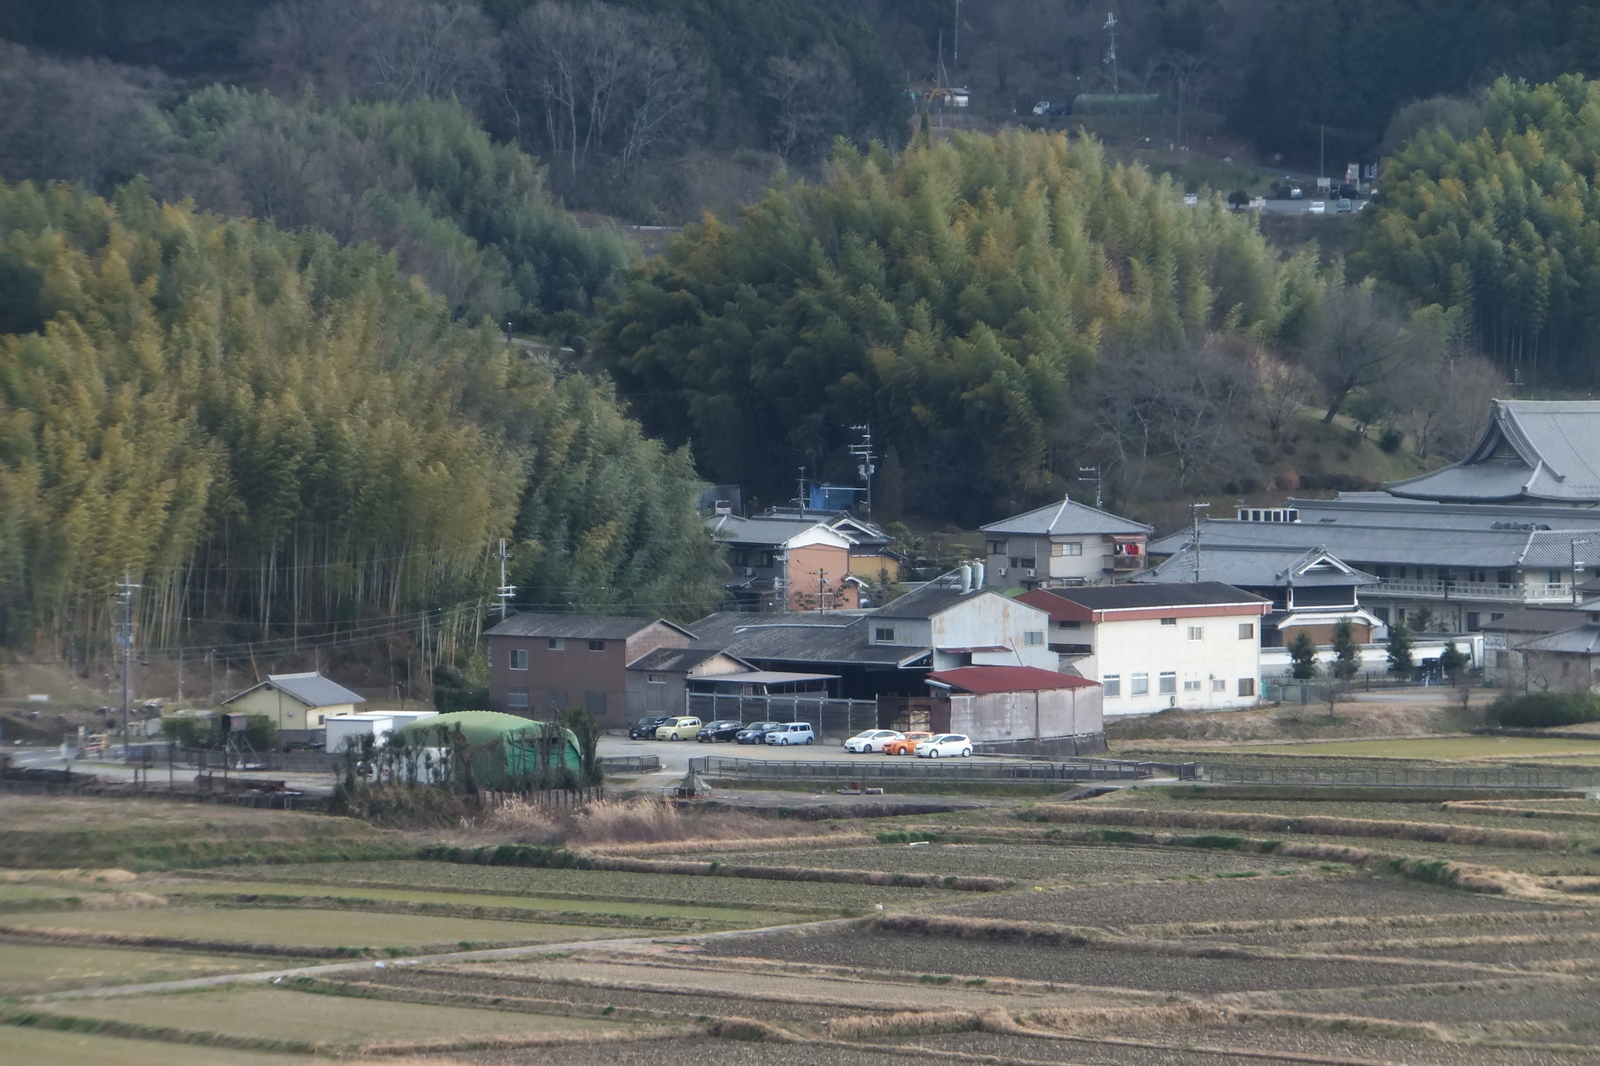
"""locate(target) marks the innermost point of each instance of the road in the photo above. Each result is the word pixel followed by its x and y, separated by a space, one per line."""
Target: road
pixel 675 756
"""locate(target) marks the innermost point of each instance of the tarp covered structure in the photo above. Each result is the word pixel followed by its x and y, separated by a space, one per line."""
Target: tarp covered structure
pixel 504 750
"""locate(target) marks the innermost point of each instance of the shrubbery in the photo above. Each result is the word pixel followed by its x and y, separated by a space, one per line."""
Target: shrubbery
pixel 1539 710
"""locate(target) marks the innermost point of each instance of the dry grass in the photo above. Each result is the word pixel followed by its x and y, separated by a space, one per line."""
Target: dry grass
pixel 903 1023
pixel 644 822
pixel 1481 807
pixel 959 883
pixel 1292 722
pixel 1318 825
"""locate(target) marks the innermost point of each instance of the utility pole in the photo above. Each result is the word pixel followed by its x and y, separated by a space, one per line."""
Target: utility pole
pixel 505 591
pixel 800 501
pixel 1111 54
pixel 864 461
pixel 125 639
pixel 822 591
pixel 1091 473
pixel 955 45
pixel 1194 525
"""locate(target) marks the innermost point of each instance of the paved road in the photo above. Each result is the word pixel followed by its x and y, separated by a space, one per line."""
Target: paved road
pixel 675 756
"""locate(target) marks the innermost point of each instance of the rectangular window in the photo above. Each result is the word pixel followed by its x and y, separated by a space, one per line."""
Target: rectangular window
pixel 1191 686
pixel 1169 621
pixel 1382 614
pixel 1141 685
pixel 656 679
pixel 558 700
pixel 1495 616
pixel 322 719
pixel 1247 631
pixel 556 644
pixel 595 702
pixel 1068 624
pixel 1033 638
pixel 1380 571
pixel 1472 622
pixel 519 658
pixel 517 699
pixel 1169 683
pixel 1071 548
pixel 1505 577
pixel 597 645
pixel 1502 659
pixel 1219 684
pixel 997 547
pixel 1197 632
pixel 1477 577
pixel 1024 561
pixel 1552 578
pixel 1247 686
pixel 1113 685
pixel 883 635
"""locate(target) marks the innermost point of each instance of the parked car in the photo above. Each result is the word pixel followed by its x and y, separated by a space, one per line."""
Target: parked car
pixel 715 731
pixel 678 729
pixel 645 728
pixel 792 733
pixel 871 740
pixel 1319 207
pixel 945 744
pixel 1343 207
pixel 756 732
pixel 906 745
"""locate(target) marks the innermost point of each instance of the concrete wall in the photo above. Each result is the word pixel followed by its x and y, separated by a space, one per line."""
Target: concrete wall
pixel 1014 716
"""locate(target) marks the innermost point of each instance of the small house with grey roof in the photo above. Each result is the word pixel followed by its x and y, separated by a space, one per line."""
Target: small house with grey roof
pixel 1064 543
pixel 299 705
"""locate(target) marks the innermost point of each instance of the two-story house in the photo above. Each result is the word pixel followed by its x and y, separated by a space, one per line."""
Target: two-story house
pixel 1064 543
pixel 541 664
pixel 787 563
pixel 1155 645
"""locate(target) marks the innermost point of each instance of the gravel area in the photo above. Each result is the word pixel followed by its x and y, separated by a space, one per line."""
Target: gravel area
pixel 696 1050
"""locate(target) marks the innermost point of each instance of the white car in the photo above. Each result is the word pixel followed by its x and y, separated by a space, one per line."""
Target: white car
pixel 945 744
pixel 1319 207
pixel 872 740
pixel 792 733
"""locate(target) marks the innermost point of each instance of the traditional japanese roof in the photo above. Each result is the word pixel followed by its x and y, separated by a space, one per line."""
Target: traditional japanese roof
pixel 1251 566
pixel 576 626
pixel 775 531
pixel 310 689
pixel 1537 450
pixel 1156 595
pixel 986 679
pixel 1067 519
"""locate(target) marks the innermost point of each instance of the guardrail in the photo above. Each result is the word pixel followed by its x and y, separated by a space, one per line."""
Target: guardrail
pixel 630 764
pixel 896 769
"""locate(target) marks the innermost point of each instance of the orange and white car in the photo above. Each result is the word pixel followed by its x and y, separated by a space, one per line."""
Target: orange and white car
pixel 906 745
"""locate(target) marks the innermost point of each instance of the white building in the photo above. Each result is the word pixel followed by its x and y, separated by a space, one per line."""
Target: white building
pixel 965 625
pixel 1156 646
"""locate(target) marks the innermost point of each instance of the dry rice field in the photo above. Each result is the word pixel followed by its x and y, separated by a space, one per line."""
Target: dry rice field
pixel 1144 927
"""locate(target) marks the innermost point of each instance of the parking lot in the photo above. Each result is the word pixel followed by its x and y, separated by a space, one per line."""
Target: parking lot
pixel 675 756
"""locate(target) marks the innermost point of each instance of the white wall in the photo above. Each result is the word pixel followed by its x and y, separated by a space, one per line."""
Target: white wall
pixel 1145 646
pixel 993 620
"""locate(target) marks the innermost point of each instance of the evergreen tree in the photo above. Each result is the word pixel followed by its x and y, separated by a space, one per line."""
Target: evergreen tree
pixel 1453 661
pixel 1303 656
pixel 1401 661
pixel 1346 652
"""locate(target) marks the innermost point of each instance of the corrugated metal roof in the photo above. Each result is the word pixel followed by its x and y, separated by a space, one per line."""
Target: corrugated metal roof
pixel 796 637
pixel 1066 518
pixel 674 660
pixel 772 531
pixel 311 689
pixel 1535 620
pixel 1531 449
pixel 986 679
pixel 576 626
pixel 1128 597
pixel 936 596
pixel 1580 640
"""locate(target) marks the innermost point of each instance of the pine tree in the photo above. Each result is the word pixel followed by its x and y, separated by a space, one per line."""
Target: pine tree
pixel 1346 652
pixel 1303 656
pixel 1401 660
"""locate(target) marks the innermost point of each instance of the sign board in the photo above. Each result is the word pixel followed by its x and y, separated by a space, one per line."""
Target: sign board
pixel 1352 172
pixel 1494 642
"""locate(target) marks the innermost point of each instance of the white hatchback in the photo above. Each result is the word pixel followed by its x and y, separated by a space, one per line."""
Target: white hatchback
pixel 792 733
pixel 872 740
pixel 945 744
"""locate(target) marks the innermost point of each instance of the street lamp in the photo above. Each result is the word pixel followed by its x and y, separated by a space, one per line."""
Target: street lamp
pixel 1577 567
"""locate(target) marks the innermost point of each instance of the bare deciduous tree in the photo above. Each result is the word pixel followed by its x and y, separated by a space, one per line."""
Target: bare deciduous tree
pixel 809 97
pixel 1356 345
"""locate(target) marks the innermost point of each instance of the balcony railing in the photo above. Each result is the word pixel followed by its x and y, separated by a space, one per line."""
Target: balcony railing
pixel 1123 562
pixel 1531 592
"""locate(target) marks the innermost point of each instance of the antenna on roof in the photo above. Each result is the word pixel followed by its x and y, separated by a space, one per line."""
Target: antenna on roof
pixel 1092 473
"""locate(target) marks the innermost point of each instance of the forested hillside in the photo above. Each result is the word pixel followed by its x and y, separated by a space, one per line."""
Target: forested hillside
pixel 269 430
pixel 1001 310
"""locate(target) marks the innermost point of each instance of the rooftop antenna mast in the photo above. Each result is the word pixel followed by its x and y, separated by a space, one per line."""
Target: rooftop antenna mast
pixel 1111 53
pixel 865 461
pixel 505 591
pixel 1092 473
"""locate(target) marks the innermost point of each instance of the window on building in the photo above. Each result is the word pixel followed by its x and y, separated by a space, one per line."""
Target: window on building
pixel 1380 571
pixel 1477 577
pixel 1169 683
pixel 1247 631
pixel 1112 684
pixel 656 679
pixel 1065 623
pixel 558 700
pixel 597 645
pixel 1024 561
pixel 595 702
pixel 557 644
pixel 1382 614
pixel 1552 578
pixel 1191 686
pixel 1197 632
pixel 1033 638
pixel 1473 624
pixel 1070 548
pixel 1446 576
pixel 1219 684
pixel 1141 685
pixel 1505 577
pixel 1495 616
pixel 883 635
pixel 997 547
pixel 1169 621
pixel 1247 686
pixel 517 699
pixel 488 652
pixel 519 659
pixel 322 719
pixel 1502 660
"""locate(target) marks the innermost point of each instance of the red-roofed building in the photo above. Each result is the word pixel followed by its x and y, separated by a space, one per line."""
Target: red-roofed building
pixel 1019 708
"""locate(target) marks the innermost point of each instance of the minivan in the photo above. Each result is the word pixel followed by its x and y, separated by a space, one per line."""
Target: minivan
pixel 792 733
pixel 678 729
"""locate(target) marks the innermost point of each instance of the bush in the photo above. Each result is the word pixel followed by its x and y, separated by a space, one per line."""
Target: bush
pixel 1540 710
pixel 1390 439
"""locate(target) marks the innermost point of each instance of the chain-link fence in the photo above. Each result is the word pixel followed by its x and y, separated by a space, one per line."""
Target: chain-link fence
pixel 832 719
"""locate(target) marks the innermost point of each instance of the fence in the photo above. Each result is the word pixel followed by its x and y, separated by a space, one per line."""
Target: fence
pixel 1286 689
pixel 891 769
pixel 1401 775
pixel 832 719
pixel 630 764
